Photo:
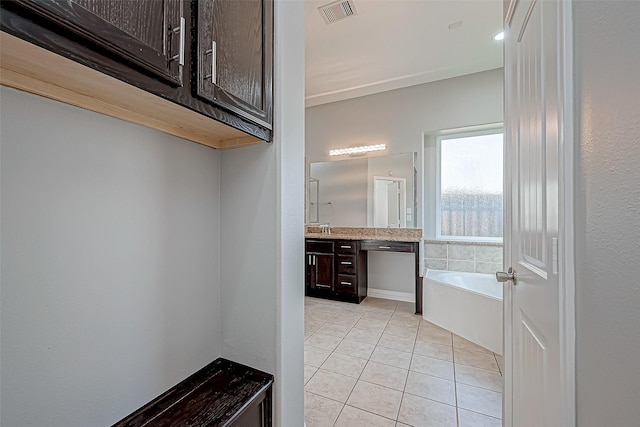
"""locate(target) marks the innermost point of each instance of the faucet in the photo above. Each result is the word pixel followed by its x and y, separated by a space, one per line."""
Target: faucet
pixel 325 228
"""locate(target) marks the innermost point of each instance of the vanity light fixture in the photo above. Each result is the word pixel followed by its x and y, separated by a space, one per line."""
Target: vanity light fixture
pixel 499 36
pixel 357 150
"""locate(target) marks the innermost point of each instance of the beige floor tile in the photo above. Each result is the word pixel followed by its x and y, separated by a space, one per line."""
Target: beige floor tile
pixel 402 425
pixel 475 358
pixel 391 357
pixel 405 319
pixel 434 336
pixel 473 419
pixel 355 349
pixel 330 385
pixel 381 303
pixel 315 356
pixel 385 375
pixel 438 351
pixel 312 324
pixel 344 320
pixel 430 387
pixel 334 330
pixel 353 309
pixel 371 325
pixel 401 330
pixel 380 400
pixel 382 316
pixel 406 307
pixel 465 344
pixel 308 372
pixel 419 412
pixel 430 366
pixel 397 343
pixel 480 400
pixel 425 324
pixel 381 311
pixel 478 377
pixel 320 411
pixel 325 308
pixel 369 337
pixel 318 316
pixel 325 342
pixel 354 417
pixel 344 365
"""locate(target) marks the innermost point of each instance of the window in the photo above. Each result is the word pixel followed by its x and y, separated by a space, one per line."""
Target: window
pixel 469 185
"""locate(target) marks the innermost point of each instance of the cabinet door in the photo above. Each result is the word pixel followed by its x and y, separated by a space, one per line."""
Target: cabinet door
pixel 235 56
pixel 310 271
pixel 149 34
pixel 323 272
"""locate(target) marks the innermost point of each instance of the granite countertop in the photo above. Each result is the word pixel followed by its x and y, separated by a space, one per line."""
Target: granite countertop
pixel 366 233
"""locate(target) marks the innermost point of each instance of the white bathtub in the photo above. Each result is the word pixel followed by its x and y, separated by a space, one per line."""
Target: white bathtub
pixel 467 304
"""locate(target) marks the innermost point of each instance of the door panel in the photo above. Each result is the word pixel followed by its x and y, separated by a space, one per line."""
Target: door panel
pixel 324 272
pixel 532 149
pixel 235 61
pixel 138 31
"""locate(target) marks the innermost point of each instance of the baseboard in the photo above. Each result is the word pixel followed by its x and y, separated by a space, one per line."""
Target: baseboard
pixel 393 295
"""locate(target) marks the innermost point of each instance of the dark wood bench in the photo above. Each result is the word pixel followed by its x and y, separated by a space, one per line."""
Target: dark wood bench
pixel 223 393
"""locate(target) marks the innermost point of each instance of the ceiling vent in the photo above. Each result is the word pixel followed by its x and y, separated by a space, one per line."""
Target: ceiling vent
pixel 337 11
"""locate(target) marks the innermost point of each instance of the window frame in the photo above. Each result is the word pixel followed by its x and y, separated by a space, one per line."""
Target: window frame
pixel 454 134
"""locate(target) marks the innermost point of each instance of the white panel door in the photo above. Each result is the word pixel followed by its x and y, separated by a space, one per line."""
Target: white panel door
pixel 531 114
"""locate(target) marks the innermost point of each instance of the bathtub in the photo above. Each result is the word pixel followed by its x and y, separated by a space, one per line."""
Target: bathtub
pixel 467 304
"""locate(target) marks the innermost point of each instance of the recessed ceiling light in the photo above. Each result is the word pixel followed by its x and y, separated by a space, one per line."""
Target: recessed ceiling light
pixel 499 36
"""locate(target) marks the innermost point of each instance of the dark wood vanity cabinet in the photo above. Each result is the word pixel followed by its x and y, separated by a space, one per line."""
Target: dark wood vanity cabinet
pixel 213 57
pixel 223 393
pixel 320 260
pixel 336 269
pixel 235 56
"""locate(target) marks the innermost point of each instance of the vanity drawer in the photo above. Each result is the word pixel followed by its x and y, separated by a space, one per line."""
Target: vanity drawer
pixel 322 246
pixel 346 264
pixel 380 245
pixel 346 246
pixel 346 284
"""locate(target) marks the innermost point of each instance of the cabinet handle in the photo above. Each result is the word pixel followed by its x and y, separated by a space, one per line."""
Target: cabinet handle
pixel 213 62
pixel 384 247
pixel 179 30
pixel 314 260
pixel 346 283
pixel 345 262
pixel 345 247
pixel 212 52
pixel 318 285
pixel 308 259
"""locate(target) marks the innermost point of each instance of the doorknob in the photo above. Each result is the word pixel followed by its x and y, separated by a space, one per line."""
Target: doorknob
pixel 510 275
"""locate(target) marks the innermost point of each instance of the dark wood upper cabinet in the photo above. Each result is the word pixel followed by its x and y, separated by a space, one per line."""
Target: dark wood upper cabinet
pixel 147 33
pixel 235 56
pixel 207 65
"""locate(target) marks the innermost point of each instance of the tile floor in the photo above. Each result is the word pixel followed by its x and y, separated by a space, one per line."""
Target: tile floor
pixel 378 364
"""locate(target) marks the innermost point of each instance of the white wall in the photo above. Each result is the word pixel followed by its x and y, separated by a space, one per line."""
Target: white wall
pixel 110 263
pixel 607 66
pixel 399 119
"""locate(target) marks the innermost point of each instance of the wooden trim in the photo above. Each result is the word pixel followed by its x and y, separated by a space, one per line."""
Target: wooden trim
pixel 32 69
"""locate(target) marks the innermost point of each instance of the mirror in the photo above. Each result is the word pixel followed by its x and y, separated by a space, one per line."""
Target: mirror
pixel 375 191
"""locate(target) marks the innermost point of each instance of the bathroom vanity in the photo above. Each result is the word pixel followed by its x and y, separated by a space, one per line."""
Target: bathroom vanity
pixel 336 262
